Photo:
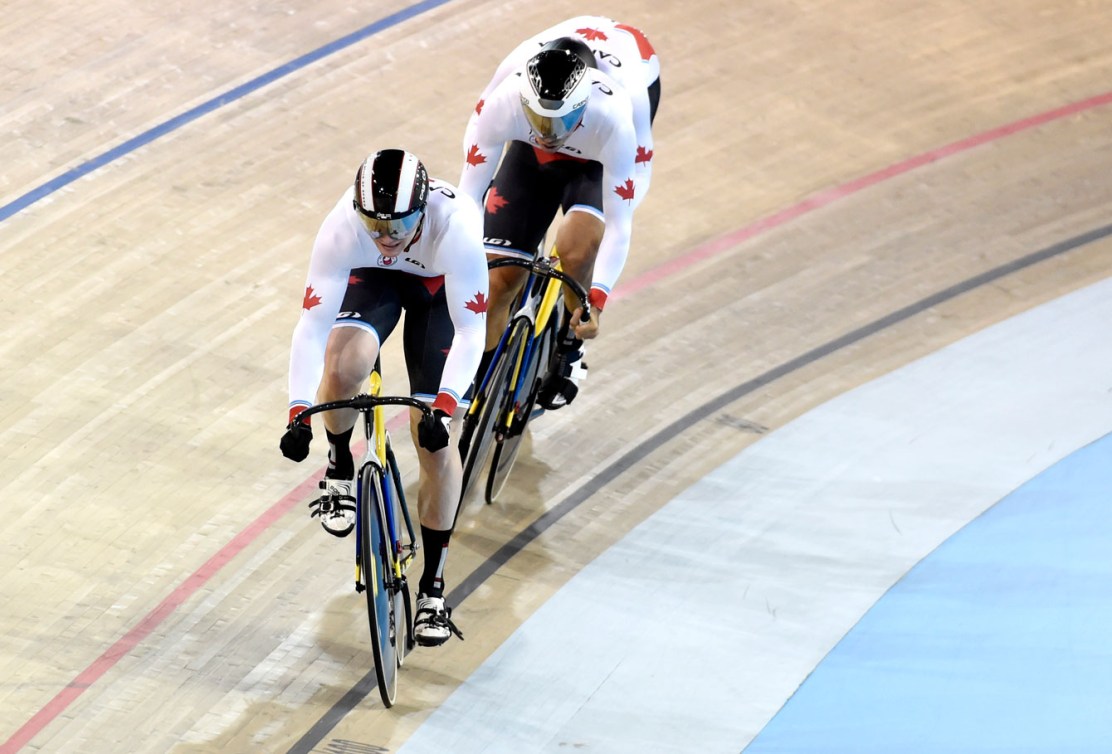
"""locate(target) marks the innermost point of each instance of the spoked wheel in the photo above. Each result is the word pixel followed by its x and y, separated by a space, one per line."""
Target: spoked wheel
pixel 485 420
pixel 377 559
pixel 505 451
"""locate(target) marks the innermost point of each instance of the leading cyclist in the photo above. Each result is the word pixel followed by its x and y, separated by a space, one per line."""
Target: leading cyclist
pixel 396 240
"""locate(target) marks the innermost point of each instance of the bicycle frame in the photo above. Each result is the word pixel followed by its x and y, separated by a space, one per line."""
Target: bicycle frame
pixel 538 314
pixel 381 455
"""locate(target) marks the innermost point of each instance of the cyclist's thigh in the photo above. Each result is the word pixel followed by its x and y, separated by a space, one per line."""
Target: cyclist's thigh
pixel 583 190
pixel 372 302
pixel 521 202
pixel 578 240
pixel 427 335
pixel 581 231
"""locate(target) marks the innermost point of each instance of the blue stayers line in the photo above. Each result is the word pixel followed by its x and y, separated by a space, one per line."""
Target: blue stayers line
pixel 242 90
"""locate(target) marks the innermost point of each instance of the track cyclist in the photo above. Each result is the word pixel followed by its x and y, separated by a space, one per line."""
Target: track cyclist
pixel 572 107
pixel 395 240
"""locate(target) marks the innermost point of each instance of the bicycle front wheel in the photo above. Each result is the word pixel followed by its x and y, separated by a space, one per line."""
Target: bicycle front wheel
pixel 491 408
pixel 403 602
pixel 513 430
pixel 376 554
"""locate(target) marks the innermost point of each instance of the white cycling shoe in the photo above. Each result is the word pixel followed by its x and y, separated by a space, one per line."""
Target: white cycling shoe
pixel 336 507
pixel 432 623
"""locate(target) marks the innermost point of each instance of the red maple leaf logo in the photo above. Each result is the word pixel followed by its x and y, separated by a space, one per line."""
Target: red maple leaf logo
pixel 354 280
pixel 625 190
pixel 643 155
pixel 311 299
pixel 479 107
pixel 473 156
pixel 590 34
pixel 495 201
pixel 479 305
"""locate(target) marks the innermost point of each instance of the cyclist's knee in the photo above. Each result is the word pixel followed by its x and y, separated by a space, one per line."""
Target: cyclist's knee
pixel 339 380
pixel 348 360
pixel 578 241
pixel 504 284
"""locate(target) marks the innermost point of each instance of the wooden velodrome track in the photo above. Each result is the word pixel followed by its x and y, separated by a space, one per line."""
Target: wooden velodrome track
pixel 822 170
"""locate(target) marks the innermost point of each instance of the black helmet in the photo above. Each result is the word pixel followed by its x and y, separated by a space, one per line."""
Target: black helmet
pixel 555 89
pixel 391 191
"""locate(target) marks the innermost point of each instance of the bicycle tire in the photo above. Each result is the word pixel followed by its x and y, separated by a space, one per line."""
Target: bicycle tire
pixel 403 603
pixel 378 576
pixel 486 419
pixel 505 452
pixel 406 643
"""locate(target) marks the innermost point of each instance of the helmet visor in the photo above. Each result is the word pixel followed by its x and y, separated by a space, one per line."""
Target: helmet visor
pixel 553 131
pixel 398 227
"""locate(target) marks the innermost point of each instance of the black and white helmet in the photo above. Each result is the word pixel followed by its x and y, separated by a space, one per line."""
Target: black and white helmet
pixel 391 191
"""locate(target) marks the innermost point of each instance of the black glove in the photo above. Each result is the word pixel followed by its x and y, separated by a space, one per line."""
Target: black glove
pixel 295 443
pixel 432 432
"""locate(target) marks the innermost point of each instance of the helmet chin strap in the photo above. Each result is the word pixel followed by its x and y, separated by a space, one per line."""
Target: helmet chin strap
pixel 417 235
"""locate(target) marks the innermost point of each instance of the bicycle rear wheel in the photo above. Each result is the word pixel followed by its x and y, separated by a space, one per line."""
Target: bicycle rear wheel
pixel 505 451
pixel 376 554
pixel 493 402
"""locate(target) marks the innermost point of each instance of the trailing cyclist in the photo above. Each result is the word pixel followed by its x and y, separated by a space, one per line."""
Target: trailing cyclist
pixel 575 104
pixel 396 240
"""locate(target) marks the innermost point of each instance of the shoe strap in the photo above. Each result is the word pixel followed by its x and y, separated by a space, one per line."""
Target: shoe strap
pixel 332 504
pixel 437 619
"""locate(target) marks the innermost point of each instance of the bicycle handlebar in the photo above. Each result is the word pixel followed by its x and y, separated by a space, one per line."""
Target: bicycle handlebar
pixel 543 267
pixel 364 402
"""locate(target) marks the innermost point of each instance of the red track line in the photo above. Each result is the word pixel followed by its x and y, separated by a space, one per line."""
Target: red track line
pixel 704 251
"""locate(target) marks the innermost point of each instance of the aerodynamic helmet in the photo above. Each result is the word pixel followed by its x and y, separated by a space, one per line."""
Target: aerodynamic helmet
pixel 391 191
pixel 555 88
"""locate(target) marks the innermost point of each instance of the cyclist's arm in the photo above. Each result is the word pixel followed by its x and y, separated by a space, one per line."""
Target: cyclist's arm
pixel 463 260
pixel 643 159
pixel 621 193
pixel 329 267
pixel 487 131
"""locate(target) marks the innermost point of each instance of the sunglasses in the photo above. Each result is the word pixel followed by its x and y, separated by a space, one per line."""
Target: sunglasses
pixel 398 227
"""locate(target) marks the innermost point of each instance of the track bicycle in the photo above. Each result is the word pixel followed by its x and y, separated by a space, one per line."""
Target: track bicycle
pixel 504 401
pixel 385 544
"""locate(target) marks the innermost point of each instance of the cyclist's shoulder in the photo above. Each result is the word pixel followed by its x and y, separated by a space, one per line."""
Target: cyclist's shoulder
pixel 611 105
pixel 451 212
pixel 445 199
pixel 337 232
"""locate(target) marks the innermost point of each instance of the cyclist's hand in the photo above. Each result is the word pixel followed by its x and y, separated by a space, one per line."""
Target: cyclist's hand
pixel 432 432
pixel 295 443
pixel 585 330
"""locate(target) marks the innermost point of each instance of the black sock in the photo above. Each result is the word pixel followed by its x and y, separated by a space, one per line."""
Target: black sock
pixel 340 463
pixel 435 543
